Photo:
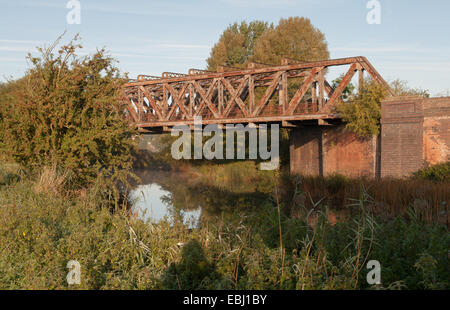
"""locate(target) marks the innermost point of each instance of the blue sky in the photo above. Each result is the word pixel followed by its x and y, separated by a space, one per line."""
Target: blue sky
pixel 411 43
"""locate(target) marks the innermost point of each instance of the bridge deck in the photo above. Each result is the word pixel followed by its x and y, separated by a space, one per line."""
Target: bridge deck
pixel 294 91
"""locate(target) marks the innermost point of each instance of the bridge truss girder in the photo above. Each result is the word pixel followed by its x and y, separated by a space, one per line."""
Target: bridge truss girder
pixel 290 92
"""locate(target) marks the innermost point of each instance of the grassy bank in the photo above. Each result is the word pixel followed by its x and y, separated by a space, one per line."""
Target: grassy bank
pixel 260 248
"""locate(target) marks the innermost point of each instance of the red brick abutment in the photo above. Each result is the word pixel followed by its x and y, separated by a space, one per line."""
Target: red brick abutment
pixel 415 133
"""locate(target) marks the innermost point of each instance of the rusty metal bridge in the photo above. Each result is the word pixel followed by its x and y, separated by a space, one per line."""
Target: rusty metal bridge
pixel 293 92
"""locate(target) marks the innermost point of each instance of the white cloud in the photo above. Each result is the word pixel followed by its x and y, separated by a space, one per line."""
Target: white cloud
pixel 11 59
pixel 184 46
pixel 387 49
pixel 15 48
pixel 263 3
pixel 20 41
pixel 419 66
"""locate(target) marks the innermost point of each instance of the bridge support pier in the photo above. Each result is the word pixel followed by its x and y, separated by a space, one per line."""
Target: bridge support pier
pixel 325 150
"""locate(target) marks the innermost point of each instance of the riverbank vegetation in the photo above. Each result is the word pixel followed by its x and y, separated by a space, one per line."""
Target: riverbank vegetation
pixel 255 248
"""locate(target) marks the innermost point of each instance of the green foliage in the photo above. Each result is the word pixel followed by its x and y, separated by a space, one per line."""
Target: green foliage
pixel 294 37
pixel 440 172
pixel 236 44
pixel 362 111
pixel 42 231
pixel 412 252
pixel 66 112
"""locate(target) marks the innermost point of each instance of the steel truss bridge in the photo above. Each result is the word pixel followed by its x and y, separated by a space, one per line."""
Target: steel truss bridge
pixel 291 93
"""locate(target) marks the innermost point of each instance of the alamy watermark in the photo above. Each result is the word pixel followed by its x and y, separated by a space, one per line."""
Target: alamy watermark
pixel 374 275
pixel 213 148
pixel 74 274
pixel 74 15
pixel 374 15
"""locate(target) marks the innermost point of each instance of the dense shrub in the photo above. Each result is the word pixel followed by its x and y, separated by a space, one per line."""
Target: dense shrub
pixel 440 172
pixel 362 111
pixel 66 113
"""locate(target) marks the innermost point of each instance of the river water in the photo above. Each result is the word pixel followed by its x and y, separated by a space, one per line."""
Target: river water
pixel 177 195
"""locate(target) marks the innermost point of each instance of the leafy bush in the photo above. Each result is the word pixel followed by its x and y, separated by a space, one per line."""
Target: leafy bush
pixel 440 172
pixel 66 113
pixel 362 112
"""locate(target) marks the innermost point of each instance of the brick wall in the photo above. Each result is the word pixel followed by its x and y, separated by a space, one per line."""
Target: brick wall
pixel 345 153
pixel 436 130
pixel 414 133
pixel 306 151
pixel 324 150
pixel 401 136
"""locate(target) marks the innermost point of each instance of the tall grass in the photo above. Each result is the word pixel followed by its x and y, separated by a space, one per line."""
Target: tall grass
pixel 391 197
pixel 261 248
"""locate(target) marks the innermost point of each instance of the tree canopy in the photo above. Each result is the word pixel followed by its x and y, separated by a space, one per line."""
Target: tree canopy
pixel 236 44
pixel 294 37
pixel 259 41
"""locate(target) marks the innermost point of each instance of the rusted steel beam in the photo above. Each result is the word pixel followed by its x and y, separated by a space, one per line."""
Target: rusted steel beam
pixel 301 91
pixel 169 75
pixel 193 71
pixel 374 73
pixel 288 61
pixel 342 85
pixel 231 95
pixel 176 96
pixel 206 97
pixel 235 97
pixel 133 113
pixel 143 77
pixel 268 93
pixel 262 119
pixel 283 91
pixel 152 102
pixel 224 68
pixel 304 65
pixel 321 86
pixel 254 65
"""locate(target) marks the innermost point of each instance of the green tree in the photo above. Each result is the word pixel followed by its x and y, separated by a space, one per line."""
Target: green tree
pixel 236 44
pixel 66 112
pixel 294 37
pixel 362 111
pixel 259 41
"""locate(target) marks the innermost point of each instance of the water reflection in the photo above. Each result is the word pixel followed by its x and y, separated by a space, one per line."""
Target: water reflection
pixel 180 196
pixel 153 203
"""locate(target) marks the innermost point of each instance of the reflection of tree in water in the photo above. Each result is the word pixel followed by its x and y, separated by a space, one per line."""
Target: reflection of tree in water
pixel 189 194
pixel 213 201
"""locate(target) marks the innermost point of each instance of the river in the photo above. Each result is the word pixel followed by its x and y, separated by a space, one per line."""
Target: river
pixel 191 198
